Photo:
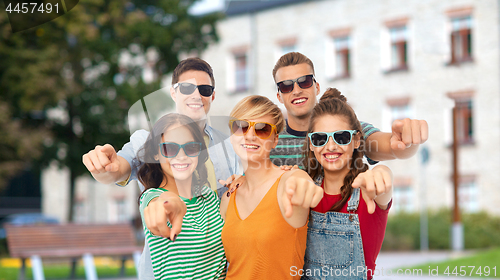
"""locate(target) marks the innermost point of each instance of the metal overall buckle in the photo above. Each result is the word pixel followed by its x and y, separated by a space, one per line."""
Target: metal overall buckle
pixel 351 215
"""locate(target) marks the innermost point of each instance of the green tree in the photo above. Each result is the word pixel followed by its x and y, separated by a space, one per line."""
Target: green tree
pixel 65 88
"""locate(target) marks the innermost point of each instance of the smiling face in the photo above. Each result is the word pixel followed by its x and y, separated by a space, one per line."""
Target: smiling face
pixel 333 157
pixel 251 148
pixel 300 102
pixel 181 167
pixel 193 105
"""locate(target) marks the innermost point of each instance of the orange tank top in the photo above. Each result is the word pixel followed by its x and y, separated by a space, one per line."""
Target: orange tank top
pixel 264 245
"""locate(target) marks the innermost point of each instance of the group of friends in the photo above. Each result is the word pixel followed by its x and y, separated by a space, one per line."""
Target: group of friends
pixel 277 199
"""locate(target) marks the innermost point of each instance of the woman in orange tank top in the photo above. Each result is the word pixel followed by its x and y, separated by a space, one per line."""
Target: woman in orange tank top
pixel 265 229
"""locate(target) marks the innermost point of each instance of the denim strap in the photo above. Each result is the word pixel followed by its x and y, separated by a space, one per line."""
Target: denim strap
pixel 352 204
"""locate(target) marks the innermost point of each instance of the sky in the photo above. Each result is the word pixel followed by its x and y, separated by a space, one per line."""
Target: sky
pixel 207 6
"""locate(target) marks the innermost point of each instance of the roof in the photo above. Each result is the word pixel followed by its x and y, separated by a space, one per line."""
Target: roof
pixel 237 7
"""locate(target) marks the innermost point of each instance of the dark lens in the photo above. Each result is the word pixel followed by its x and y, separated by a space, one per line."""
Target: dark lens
pixel 239 127
pixel 263 130
pixel 205 90
pixel 192 149
pixel 187 88
pixel 305 81
pixel 285 86
pixel 319 139
pixel 342 138
pixel 169 149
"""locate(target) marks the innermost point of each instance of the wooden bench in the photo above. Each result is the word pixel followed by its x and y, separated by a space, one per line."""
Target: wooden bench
pixel 71 241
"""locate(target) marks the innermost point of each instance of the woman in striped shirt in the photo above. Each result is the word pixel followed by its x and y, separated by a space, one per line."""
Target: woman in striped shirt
pixel 175 177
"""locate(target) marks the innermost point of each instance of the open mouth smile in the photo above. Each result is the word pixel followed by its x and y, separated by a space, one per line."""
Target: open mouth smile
pixel 299 101
pixel 180 167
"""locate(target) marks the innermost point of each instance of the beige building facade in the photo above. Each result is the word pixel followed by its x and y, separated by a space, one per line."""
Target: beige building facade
pixel 392 59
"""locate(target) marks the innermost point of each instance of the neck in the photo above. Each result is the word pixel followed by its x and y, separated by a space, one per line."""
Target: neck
pixel 258 172
pixel 299 124
pixel 202 123
pixel 181 188
pixel 333 181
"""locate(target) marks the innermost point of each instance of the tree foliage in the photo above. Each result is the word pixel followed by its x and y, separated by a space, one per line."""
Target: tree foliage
pixel 67 85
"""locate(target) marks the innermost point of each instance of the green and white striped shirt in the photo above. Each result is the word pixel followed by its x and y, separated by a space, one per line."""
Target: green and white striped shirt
pixel 197 253
pixel 289 150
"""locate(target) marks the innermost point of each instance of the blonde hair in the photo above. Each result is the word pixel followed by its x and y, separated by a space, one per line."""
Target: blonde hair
pixel 257 106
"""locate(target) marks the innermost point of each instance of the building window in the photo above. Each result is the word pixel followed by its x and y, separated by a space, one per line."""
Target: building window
pixel 284 46
pixel 288 48
pixel 80 211
pixel 468 194
pixel 121 208
pixel 338 54
pixel 403 196
pixel 241 72
pixel 461 39
pixel 398 108
pixel 399 51
pixel 465 131
pixel 342 57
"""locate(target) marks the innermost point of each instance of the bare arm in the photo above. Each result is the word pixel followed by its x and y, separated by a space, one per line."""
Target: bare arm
pixel 376 187
pixel 297 194
pixel 402 143
pixel 168 207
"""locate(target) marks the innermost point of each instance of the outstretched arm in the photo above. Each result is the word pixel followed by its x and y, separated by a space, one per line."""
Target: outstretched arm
pixel 401 143
pixel 376 187
pixel 297 194
pixel 168 207
pixel 105 165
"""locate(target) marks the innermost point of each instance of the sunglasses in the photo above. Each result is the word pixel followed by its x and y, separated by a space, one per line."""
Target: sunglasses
pixel 188 88
pixel 170 149
pixel 262 129
pixel 341 137
pixel 303 82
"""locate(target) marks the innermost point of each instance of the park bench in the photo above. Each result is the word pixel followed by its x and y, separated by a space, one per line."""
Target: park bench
pixel 71 241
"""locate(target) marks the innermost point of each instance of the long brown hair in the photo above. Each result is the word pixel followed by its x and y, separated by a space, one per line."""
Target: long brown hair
pixel 150 173
pixel 335 104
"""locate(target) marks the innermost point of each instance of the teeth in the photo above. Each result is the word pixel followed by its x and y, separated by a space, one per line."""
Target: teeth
pixel 250 146
pixel 195 106
pixel 301 100
pixel 332 156
pixel 180 166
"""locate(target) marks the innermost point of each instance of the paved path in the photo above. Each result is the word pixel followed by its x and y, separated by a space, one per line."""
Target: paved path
pixel 388 263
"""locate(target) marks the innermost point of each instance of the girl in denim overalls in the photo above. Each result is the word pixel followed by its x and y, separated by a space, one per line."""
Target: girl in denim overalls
pixel 346 230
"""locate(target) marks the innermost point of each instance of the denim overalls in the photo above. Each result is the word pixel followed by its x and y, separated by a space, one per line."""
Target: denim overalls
pixel 334 247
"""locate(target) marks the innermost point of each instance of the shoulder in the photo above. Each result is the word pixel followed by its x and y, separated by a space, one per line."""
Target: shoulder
pixel 215 132
pixel 295 173
pixel 150 194
pixel 139 137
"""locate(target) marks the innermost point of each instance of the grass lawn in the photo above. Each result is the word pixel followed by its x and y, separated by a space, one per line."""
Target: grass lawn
pixel 481 264
pixel 62 271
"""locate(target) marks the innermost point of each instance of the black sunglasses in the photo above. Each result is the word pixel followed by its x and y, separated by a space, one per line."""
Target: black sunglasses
pixel 170 149
pixel 303 82
pixel 188 88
